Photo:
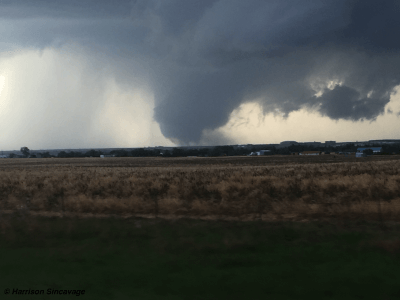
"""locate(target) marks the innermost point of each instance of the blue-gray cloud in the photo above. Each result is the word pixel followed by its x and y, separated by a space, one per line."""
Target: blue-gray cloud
pixel 202 59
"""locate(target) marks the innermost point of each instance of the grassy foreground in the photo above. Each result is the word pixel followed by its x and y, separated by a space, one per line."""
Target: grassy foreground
pixel 243 187
pixel 191 259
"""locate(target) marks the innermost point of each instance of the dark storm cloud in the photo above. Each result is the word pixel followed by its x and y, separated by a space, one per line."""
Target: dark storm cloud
pixel 21 9
pixel 282 53
pixel 203 59
pixel 346 103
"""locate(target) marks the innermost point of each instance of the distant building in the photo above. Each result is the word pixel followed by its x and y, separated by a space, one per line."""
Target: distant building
pixel 261 152
pixel 3 156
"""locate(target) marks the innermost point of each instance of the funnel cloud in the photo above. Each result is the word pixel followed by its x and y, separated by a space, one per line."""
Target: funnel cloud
pixel 203 59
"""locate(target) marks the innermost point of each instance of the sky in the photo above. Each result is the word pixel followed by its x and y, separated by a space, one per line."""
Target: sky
pixel 97 73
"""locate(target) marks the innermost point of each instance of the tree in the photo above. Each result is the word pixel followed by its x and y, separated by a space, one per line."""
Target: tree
pixel 93 153
pixel 62 154
pixel 119 153
pixel 46 155
pixel 368 152
pixel 25 151
pixel 178 152
pixel 216 151
pixel 167 153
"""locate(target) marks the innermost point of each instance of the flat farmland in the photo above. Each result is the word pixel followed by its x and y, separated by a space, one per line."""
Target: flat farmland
pixel 239 161
pixel 245 188
pixel 110 245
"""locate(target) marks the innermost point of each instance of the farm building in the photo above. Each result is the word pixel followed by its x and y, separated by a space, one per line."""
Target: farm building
pixel 261 152
pixel 310 153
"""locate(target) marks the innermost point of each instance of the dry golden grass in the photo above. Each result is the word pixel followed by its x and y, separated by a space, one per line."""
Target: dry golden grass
pixel 267 188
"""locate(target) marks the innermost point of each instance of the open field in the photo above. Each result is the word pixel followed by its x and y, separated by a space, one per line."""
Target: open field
pixel 348 248
pixel 268 188
pixel 190 259
pixel 187 161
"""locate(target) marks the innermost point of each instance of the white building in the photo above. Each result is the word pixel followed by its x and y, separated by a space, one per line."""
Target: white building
pixel 261 152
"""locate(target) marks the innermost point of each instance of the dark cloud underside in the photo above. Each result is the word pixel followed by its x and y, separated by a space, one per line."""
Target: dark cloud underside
pixel 203 59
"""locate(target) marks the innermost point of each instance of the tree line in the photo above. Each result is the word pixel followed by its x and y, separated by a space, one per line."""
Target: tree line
pixel 210 152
